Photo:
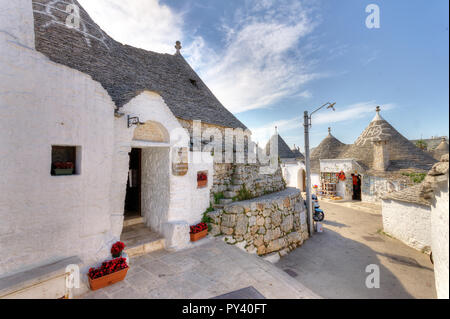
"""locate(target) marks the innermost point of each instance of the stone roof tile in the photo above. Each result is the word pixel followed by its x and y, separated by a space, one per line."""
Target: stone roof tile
pixel 125 71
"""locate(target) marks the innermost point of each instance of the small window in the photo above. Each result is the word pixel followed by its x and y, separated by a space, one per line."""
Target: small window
pixel 202 179
pixel 65 160
pixel 194 82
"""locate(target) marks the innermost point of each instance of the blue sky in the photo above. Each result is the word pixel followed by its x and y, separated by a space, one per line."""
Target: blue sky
pixel 269 61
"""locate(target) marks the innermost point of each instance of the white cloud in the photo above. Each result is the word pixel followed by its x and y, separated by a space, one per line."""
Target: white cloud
pixel 261 63
pixel 263 59
pixel 263 133
pixel 349 113
pixel 146 24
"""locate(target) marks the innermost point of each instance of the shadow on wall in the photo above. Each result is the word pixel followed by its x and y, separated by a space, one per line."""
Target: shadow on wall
pixel 333 267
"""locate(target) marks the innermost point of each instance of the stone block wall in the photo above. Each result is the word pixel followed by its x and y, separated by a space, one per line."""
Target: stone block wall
pixel 248 175
pixel 274 223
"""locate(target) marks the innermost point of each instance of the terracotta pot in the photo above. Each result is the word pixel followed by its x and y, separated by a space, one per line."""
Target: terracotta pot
pixel 108 280
pixel 200 235
pixel 202 184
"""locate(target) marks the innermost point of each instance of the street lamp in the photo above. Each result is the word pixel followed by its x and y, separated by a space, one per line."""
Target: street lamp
pixel 307 124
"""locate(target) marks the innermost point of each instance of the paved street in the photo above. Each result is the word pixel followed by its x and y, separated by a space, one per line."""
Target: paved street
pixel 332 264
pixel 212 269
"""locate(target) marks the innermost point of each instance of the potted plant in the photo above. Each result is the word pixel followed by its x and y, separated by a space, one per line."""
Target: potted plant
pixel 202 180
pixel 117 251
pixel 109 273
pixel 199 231
pixel 63 168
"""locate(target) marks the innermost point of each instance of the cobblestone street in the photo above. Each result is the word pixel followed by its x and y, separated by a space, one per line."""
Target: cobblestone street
pixel 333 263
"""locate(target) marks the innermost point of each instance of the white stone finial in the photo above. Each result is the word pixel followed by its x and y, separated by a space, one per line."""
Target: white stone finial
pixel 377 116
pixel 178 47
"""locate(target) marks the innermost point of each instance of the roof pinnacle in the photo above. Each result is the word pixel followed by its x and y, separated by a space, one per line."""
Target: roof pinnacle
pixel 178 47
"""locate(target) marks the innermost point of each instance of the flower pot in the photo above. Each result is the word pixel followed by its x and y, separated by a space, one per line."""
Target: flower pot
pixel 198 236
pixel 63 171
pixel 202 184
pixel 108 280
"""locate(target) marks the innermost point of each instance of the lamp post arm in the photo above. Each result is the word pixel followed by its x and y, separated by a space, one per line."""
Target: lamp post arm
pixel 310 116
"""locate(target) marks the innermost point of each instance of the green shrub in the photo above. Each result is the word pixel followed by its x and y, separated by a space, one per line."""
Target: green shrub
pixel 244 194
pixel 416 178
pixel 218 197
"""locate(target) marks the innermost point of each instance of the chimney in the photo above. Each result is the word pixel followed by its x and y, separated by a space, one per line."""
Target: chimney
pixel 380 155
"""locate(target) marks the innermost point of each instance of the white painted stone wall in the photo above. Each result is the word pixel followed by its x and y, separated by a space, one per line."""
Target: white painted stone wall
pixel 440 240
pixel 408 222
pixel 373 188
pixel 292 174
pixel 186 203
pixel 315 180
pixel 46 218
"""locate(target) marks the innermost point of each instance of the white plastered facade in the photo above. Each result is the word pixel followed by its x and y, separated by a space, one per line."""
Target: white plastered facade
pixel 46 218
pixel 294 174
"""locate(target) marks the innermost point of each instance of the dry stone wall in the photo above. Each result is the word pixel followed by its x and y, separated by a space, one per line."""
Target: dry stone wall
pixel 274 223
pixel 231 178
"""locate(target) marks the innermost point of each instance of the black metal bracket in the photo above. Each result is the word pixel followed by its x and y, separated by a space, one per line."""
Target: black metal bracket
pixel 134 121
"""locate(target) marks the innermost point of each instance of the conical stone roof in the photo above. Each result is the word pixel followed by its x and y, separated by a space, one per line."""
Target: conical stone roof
pixel 441 150
pixel 283 149
pixel 329 148
pixel 297 153
pixel 125 71
pixel 403 154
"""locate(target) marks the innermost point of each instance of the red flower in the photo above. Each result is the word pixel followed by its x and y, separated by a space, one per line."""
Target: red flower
pixel 108 267
pixel 117 248
pixel 63 165
pixel 198 228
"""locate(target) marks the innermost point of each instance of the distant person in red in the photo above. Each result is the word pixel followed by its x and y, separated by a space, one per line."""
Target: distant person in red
pixel 356 186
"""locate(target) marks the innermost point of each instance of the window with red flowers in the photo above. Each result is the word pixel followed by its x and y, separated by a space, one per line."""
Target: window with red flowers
pixel 202 179
pixel 65 160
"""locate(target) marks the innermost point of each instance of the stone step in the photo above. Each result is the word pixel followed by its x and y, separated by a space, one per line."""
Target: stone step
pixel 229 194
pixel 133 221
pixel 226 201
pixel 141 240
pixel 218 206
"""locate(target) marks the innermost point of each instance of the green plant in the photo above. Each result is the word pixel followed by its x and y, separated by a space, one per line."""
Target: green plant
pixel 416 178
pixel 206 219
pixel 218 197
pixel 244 194
pixel 422 144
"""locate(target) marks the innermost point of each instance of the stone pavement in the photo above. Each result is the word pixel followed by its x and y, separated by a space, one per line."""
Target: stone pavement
pixel 333 263
pixel 373 208
pixel 206 271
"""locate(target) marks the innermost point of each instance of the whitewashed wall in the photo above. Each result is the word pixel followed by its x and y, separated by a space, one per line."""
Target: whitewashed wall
pixel 46 218
pixel 440 240
pixel 186 203
pixel 315 180
pixel 408 222
pixel 292 175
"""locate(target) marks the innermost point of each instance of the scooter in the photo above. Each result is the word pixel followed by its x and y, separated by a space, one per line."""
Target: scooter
pixel 318 214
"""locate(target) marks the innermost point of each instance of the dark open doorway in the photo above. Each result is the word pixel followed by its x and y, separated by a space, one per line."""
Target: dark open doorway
pixel 357 183
pixel 133 197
